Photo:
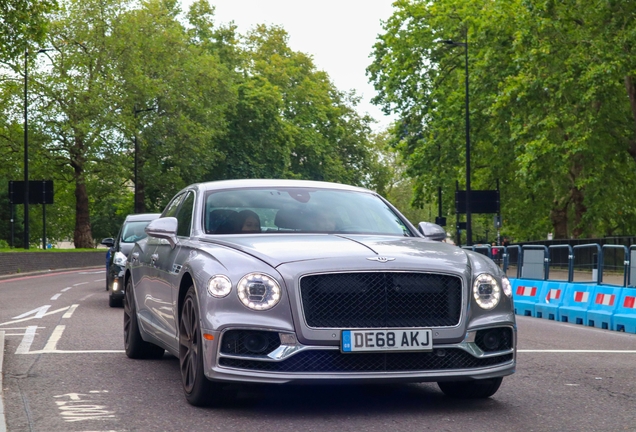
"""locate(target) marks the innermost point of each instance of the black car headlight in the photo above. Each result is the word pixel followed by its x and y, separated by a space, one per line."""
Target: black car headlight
pixel 486 291
pixel 258 291
pixel 119 259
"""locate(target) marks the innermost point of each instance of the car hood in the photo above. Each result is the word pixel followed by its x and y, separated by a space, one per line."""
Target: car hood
pixel 278 249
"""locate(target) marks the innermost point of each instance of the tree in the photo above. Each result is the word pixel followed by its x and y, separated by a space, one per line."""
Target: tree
pixel 548 116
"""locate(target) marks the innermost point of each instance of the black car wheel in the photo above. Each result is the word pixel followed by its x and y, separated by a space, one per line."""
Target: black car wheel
pixel 135 346
pixel 199 390
pixel 477 389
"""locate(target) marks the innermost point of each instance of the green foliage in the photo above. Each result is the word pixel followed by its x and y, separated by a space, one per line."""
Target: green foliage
pixel 549 111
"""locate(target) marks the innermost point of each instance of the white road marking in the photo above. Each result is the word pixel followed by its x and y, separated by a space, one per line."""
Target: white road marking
pixel 27 340
pixel 55 337
pixel 70 311
pixel 66 289
pixel 85 297
pixel 56 296
pixel 3 423
pixel 81 283
pixel 39 312
pixel 99 280
pixel 579 351
pixel 76 409
pixel 77 352
pixel 30 318
pixel 95 272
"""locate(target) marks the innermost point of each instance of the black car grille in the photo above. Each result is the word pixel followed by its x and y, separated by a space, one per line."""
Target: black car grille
pixel 335 361
pixel 377 300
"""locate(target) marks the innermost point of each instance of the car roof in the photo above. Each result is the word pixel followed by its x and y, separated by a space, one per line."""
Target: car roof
pixel 274 183
pixel 142 217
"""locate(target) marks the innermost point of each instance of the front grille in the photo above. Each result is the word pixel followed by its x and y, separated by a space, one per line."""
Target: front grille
pixel 381 300
pixel 335 361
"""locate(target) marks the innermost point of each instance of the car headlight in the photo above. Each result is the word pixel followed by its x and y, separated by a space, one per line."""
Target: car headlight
pixel 258 291
pixel 119 259
pixel 506 285
pixel 219 286
pixel 486 291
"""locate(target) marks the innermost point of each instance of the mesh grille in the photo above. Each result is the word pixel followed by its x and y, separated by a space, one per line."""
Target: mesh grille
pixel 377 300
pixel 237 342
pixel 335 361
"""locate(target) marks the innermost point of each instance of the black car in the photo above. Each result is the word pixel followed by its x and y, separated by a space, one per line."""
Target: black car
pixel 131 232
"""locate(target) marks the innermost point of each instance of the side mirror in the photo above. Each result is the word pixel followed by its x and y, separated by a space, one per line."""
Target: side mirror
pixel 110 242
pixel 164 228
pixel 431 231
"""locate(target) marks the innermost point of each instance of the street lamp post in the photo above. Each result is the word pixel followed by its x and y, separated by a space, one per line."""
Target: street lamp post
pixel 26 143
pixel 469 231
pixel 137 203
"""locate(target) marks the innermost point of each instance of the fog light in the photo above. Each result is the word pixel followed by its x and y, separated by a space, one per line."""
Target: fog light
pixel 492 340
pixel 116 285
pixel 256 343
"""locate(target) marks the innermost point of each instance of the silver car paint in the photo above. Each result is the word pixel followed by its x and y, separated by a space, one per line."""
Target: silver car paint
pixel 286 257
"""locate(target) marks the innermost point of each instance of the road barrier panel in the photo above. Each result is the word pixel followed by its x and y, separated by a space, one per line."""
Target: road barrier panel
pixel 548 306
pixel 625 314
pixel 603 305
pixel 525 295
pixel 576 301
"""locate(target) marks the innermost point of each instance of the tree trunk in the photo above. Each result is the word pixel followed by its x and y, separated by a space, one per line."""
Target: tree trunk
pixel 579 210
pixel 631 93
pixel 82 236
pixel 559 219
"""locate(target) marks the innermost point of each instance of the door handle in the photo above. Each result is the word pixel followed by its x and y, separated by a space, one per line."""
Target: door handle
pixel 135 257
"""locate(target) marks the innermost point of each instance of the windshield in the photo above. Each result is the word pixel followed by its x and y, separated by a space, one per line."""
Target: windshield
pixel 134 231
pixel 299 210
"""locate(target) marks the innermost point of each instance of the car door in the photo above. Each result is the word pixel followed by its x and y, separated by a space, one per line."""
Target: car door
pixel 168 263
pixel 152 306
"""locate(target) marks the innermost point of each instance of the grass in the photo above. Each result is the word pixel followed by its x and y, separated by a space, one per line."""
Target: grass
pixel 21 250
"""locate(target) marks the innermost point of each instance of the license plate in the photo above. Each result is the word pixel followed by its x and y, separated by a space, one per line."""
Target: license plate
pixel 386 340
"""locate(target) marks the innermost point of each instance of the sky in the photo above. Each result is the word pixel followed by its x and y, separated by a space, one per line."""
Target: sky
pixel 338 34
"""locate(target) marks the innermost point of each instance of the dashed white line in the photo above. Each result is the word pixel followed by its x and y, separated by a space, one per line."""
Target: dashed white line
pixel 70 311
pixel 578 351
pixel 56 296
pixel 81 283
pixel 85 297
pixel 27 340
pixel 66 289
pixel 55 337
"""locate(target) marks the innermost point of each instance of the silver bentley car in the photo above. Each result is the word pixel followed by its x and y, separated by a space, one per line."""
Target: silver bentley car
pixel 284 281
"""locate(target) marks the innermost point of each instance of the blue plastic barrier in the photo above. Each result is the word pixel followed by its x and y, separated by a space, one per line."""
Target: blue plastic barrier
pixel 602 306
pixel 548 306
pixel 526 293
pixel 625 315
pixel 576 300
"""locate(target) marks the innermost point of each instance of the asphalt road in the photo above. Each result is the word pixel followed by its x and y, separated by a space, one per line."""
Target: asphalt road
pixel 65 370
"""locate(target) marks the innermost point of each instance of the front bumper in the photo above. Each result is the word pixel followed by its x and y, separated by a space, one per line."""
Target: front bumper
pixel 295 363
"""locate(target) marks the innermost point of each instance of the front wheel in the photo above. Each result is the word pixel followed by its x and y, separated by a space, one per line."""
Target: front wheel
pixel 135 346
pixel 477 389
pixel 198 390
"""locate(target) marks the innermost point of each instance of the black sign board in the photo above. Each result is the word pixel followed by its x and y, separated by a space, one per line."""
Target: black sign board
pixel 481 201
pixel 461 225
pixel 441 221
pixel 40 192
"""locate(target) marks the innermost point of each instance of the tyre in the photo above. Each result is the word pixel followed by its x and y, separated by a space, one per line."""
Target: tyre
pixel 135 346
pixel 198 390
pixel 114 302
pixel 477 389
